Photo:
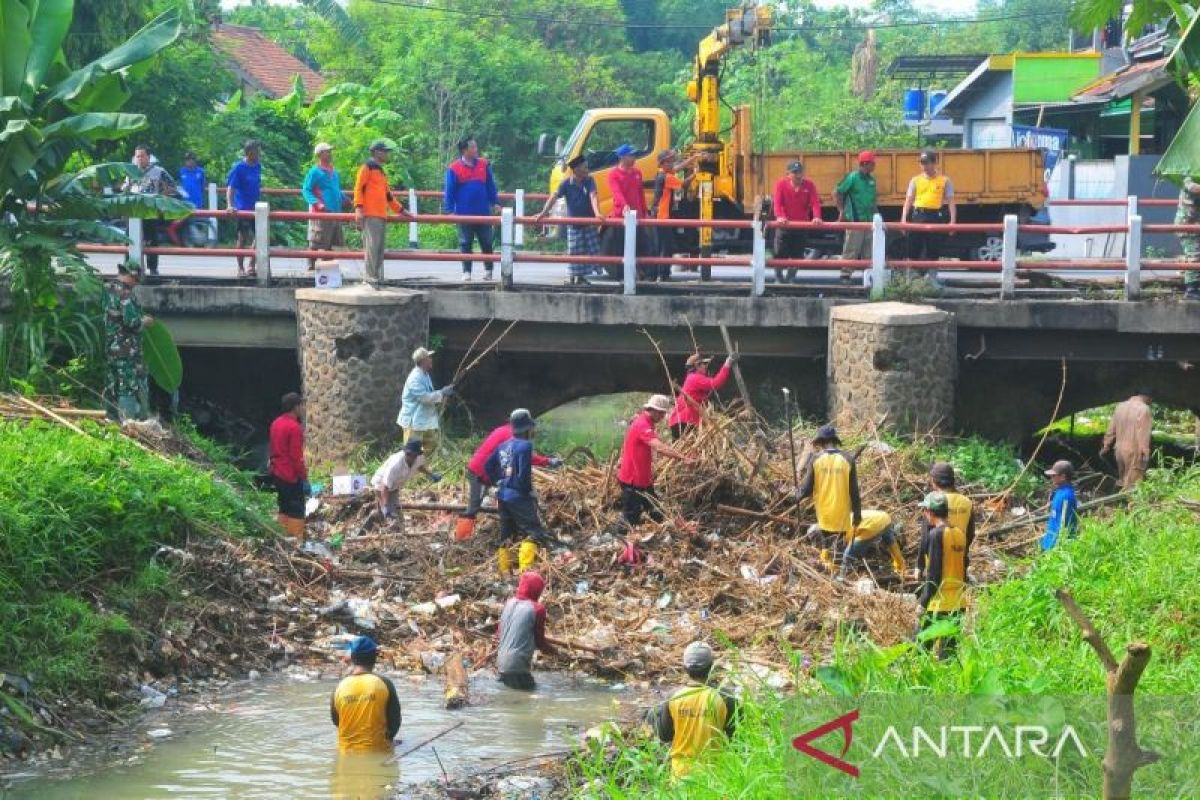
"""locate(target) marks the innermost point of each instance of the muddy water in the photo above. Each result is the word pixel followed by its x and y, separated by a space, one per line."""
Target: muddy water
pixel 274 739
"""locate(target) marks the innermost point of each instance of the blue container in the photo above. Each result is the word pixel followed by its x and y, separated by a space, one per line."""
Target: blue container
pixel 936 98
pixel 914 105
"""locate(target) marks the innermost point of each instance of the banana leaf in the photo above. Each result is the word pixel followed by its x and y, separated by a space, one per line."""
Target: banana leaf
pixel 162 357
pixel 1182 157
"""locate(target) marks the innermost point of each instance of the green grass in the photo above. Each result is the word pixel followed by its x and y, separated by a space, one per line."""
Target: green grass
pixel 79 519
pixel 1134 573
pixel 991 465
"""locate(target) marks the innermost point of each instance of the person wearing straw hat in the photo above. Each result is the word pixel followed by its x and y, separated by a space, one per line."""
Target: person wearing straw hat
pixel 636 474
pixel 510 469
pixel 396 470
pixel 419 402
pixel 831 482
pixel 365 707
pixel 373 200
pixel 697 388
pixel 322 190
pixel 697 717
pixel 579 193
pixel 1064 508
pixel 126 390
pixel 943 587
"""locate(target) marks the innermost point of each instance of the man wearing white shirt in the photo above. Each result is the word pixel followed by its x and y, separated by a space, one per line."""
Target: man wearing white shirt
pixel 396 471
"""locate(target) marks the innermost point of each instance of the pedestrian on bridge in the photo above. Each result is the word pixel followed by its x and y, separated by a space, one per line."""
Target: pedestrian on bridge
pixel 579 193
pixel 419 402
pixel 470 191
pixel 191 185
pixel 1128 436
pixel 288 470
pixel 373 200
pixel 322 190
pixel 697 387
pixel 627 188
pixel 154 181
pixel 1187 213
pixel 243 187
pixel 928 201
pixel 667 185
pixel 795 199
pixel 856 201
pixel 636 473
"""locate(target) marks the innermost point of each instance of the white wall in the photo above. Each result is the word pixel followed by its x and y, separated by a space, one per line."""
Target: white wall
pixel 988 114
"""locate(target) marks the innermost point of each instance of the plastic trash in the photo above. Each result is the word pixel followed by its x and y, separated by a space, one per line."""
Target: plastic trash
pixel 159 733
pixel 447 601
pixel 581 587
pixel 151 697
pixel 665 600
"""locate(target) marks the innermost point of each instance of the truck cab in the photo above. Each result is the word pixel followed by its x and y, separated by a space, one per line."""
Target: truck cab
pixel 600 132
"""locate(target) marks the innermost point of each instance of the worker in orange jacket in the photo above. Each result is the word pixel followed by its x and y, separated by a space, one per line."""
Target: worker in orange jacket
pixel 373 199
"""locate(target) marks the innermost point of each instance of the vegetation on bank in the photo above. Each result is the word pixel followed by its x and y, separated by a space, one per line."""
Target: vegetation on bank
pixel 81 518
pixel 1133 572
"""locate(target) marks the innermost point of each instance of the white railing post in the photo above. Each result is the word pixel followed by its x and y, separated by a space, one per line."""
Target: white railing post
pixel 1133 258
pixel 506 248
pixel 1008 258
pixel 630 266
pixel 519 210
pixel 136 241
pixel 879 272
pixel 758 259
pixel 213 234
pixel 1131 206
pixel 414 230
pixel 262 242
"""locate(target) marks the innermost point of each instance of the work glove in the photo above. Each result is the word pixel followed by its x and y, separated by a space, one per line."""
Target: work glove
pixel 733 358
pixel 555 463
pixel 448 390
pixel 307 488
pixel 435 477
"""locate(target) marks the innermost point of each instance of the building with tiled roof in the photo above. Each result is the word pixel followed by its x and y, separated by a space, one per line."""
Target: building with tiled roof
pixel 263 66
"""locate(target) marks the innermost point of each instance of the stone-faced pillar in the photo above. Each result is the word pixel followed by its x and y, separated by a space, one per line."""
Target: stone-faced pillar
pixel 355 349
pixel 894 365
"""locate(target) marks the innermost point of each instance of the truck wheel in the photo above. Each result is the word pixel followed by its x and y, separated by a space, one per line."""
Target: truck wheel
pixel 991 249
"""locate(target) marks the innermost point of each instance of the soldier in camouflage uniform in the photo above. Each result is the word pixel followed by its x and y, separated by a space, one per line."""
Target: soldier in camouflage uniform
pixel 1189 214
pixel 125 386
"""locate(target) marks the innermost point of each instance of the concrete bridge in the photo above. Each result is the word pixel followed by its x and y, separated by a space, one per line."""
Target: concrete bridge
pixel 1004 363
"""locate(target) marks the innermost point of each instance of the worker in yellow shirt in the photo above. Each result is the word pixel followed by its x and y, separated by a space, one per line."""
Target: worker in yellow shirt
pixel 697 716
pixel 942 593
pixel 364 706
pixel 875 529
pixel 962 511
pixel 929 201
pixel 831 481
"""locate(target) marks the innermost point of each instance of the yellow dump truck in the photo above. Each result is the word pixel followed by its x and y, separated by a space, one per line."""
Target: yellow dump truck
pixel 732 181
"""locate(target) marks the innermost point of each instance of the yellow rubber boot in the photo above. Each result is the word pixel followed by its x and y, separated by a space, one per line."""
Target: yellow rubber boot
pixel 826 559
pixel 503 561
pixel 526 555
pixel 897 557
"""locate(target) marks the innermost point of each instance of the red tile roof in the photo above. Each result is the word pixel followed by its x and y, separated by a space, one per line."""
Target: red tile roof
pixel 263 64
pixel 1119 84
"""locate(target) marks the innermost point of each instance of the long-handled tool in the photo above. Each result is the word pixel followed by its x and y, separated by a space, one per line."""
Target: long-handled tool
pixel 433 738
pixel 737 370
pixel 787 410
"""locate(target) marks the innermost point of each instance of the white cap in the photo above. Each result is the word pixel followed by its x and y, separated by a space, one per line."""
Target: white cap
pixel 659 402
pixel 420 354
pixel 322 147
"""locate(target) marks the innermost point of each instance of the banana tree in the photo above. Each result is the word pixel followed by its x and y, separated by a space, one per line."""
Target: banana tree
pixel 51 118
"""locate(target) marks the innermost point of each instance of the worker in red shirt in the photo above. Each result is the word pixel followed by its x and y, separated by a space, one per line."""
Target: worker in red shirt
pixel 477 479
pixel 696 389
pixel 795 200
pixel 625 183
pixel 636 474
pixel 287 465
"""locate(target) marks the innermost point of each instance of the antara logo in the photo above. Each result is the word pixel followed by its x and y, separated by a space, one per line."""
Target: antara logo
pixel 977 741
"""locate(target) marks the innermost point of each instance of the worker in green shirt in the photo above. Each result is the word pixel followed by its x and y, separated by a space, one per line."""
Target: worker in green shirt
pixel 855 200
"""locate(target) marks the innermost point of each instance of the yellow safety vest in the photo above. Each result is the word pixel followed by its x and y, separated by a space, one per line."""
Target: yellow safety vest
pixel 960 510
pixel 930 193
pixel 698 713
pixel 361 702
pixel 951 591
pixel 874 523
pixel 831 491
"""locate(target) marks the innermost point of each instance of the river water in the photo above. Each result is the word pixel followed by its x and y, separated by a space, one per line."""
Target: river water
pixel 274 739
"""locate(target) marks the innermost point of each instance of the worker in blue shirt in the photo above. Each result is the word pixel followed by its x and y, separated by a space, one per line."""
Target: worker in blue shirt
pixel 510 470
pixel 470 191
pixel 191 184
pixel 1064 513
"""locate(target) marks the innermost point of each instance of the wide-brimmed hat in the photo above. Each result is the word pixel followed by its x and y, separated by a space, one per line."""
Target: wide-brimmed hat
pixel 322 147
pixel 658 402
pixel 421 353
pixel 696 359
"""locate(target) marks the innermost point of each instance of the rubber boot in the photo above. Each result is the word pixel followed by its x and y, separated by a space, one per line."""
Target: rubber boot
pixel 526 555
pixel 296 528
pixel 897 557
pixel 503 561
pixel 827 559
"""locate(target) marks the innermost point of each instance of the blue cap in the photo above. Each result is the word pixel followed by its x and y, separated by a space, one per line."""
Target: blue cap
pixel 362 646
pixel 624 150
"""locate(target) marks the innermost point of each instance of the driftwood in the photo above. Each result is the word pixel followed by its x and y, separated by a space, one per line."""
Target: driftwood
pixel 1029 521
pixel 737 370
pixel 745 512
pixel 454 682
pixel 451 507
pixel 429 740
pixel 1124 755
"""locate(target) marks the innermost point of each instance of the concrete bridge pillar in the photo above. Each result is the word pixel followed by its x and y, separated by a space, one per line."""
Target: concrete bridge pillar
pixel 355 348
pixel 894 365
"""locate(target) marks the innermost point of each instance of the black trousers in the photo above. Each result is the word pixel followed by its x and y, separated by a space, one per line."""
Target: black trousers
pixel 789 244
pixel 635 502
pixel 291 498
pixel 152 231
pixel 924 246
pixel 520 517
pixel 522 681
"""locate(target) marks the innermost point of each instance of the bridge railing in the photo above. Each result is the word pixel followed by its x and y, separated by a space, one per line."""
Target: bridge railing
pixel 878 269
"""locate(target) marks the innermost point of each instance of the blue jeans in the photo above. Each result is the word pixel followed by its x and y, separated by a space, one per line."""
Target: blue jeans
pixel 467 233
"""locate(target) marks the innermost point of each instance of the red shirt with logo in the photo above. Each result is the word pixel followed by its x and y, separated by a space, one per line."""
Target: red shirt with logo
pixel 636 457
pixel 626 188
pixel 796 203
